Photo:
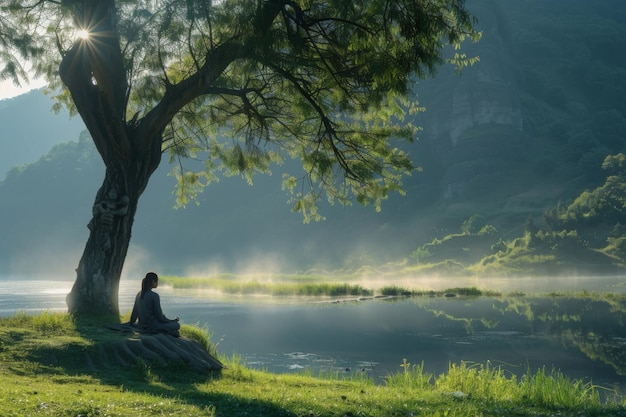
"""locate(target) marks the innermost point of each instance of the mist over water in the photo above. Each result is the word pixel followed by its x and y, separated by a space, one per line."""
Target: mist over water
pixel 374 336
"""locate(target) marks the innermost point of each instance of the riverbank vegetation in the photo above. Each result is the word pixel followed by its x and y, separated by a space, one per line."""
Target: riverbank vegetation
pixel 586 236
pixel 269 284
pixel 305 285
pixel 43 373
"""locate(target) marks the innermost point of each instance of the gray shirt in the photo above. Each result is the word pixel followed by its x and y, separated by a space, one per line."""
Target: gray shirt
pixel 148 310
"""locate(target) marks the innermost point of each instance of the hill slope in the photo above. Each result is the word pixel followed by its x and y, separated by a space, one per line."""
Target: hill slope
pixel 30 129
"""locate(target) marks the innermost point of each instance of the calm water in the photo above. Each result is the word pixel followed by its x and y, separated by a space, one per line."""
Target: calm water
pixel 581 338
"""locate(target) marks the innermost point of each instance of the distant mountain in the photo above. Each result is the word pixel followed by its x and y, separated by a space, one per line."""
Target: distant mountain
pixel 524 129
pixel 30 129
pixel 236 227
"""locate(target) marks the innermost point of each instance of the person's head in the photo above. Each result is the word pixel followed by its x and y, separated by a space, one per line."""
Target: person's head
pixel 150 281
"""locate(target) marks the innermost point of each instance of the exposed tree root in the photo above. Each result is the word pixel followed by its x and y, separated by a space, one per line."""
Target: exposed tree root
pixel 160 349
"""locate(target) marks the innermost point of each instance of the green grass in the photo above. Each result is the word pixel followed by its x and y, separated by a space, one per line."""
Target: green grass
pixel 394 290
pixel 43 373
pixel 302 286
pixel 274 285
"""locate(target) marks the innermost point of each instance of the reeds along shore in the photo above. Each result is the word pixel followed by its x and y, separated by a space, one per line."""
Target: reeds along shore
pixel 43 372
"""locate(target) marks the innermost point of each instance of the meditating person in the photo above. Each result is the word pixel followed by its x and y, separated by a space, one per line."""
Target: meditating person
pixel 147 309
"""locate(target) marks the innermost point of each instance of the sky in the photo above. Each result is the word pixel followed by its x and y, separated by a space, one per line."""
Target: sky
pixel 9 90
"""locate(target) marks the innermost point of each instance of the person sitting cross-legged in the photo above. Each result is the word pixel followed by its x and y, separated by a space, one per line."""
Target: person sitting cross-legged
pixel 147 309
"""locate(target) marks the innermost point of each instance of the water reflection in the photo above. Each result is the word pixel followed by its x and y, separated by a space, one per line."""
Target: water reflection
pixel 583 337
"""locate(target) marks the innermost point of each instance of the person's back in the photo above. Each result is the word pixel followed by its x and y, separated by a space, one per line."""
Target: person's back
pixel 147 309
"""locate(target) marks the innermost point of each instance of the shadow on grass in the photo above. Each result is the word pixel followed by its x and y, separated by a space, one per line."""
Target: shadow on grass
pixel 97 355
pixel 195 389
pixel 169 382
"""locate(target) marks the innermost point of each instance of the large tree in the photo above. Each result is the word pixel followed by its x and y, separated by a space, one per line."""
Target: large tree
pixel 17 46
pixel 238 84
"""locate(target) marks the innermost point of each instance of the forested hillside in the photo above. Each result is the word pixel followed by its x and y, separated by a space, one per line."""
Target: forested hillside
pixel 30 128
pixel 513 141
pixel 532 122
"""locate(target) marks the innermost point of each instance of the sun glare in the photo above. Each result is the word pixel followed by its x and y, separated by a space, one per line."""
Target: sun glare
pixel 83 34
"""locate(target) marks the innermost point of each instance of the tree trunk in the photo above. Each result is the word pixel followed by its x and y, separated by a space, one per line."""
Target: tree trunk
pixel 93 71
pixel 95 291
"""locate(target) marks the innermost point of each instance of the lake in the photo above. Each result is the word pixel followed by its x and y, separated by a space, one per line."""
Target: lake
pixel 581 337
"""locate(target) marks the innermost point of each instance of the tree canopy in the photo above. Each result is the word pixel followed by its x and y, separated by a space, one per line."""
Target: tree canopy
pixel 239 85
pixel 16 47
pixel 327 82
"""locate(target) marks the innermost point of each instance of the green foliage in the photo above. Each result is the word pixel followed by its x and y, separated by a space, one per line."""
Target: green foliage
pixel 473 224
pixel 595 214
pixel 616 246
pixel 545 253
pixel 200 335
pixel 411 377
pixel 585 236
pixel 573 113
pixel 553 389
pixel 480 380
pixel 549 389
pixel 476 241
pixel 290 286
pixel 52 322
pixel 16 46
pixel 615 164
pixel 29 387
pixel 44 323
pixel 242 85
pixel 470 292
pixel 394 290
pixel 309 286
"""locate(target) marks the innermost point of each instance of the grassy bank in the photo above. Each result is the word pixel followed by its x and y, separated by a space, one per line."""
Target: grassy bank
pixel 303 286
pixel 274 285
pixel 43 373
